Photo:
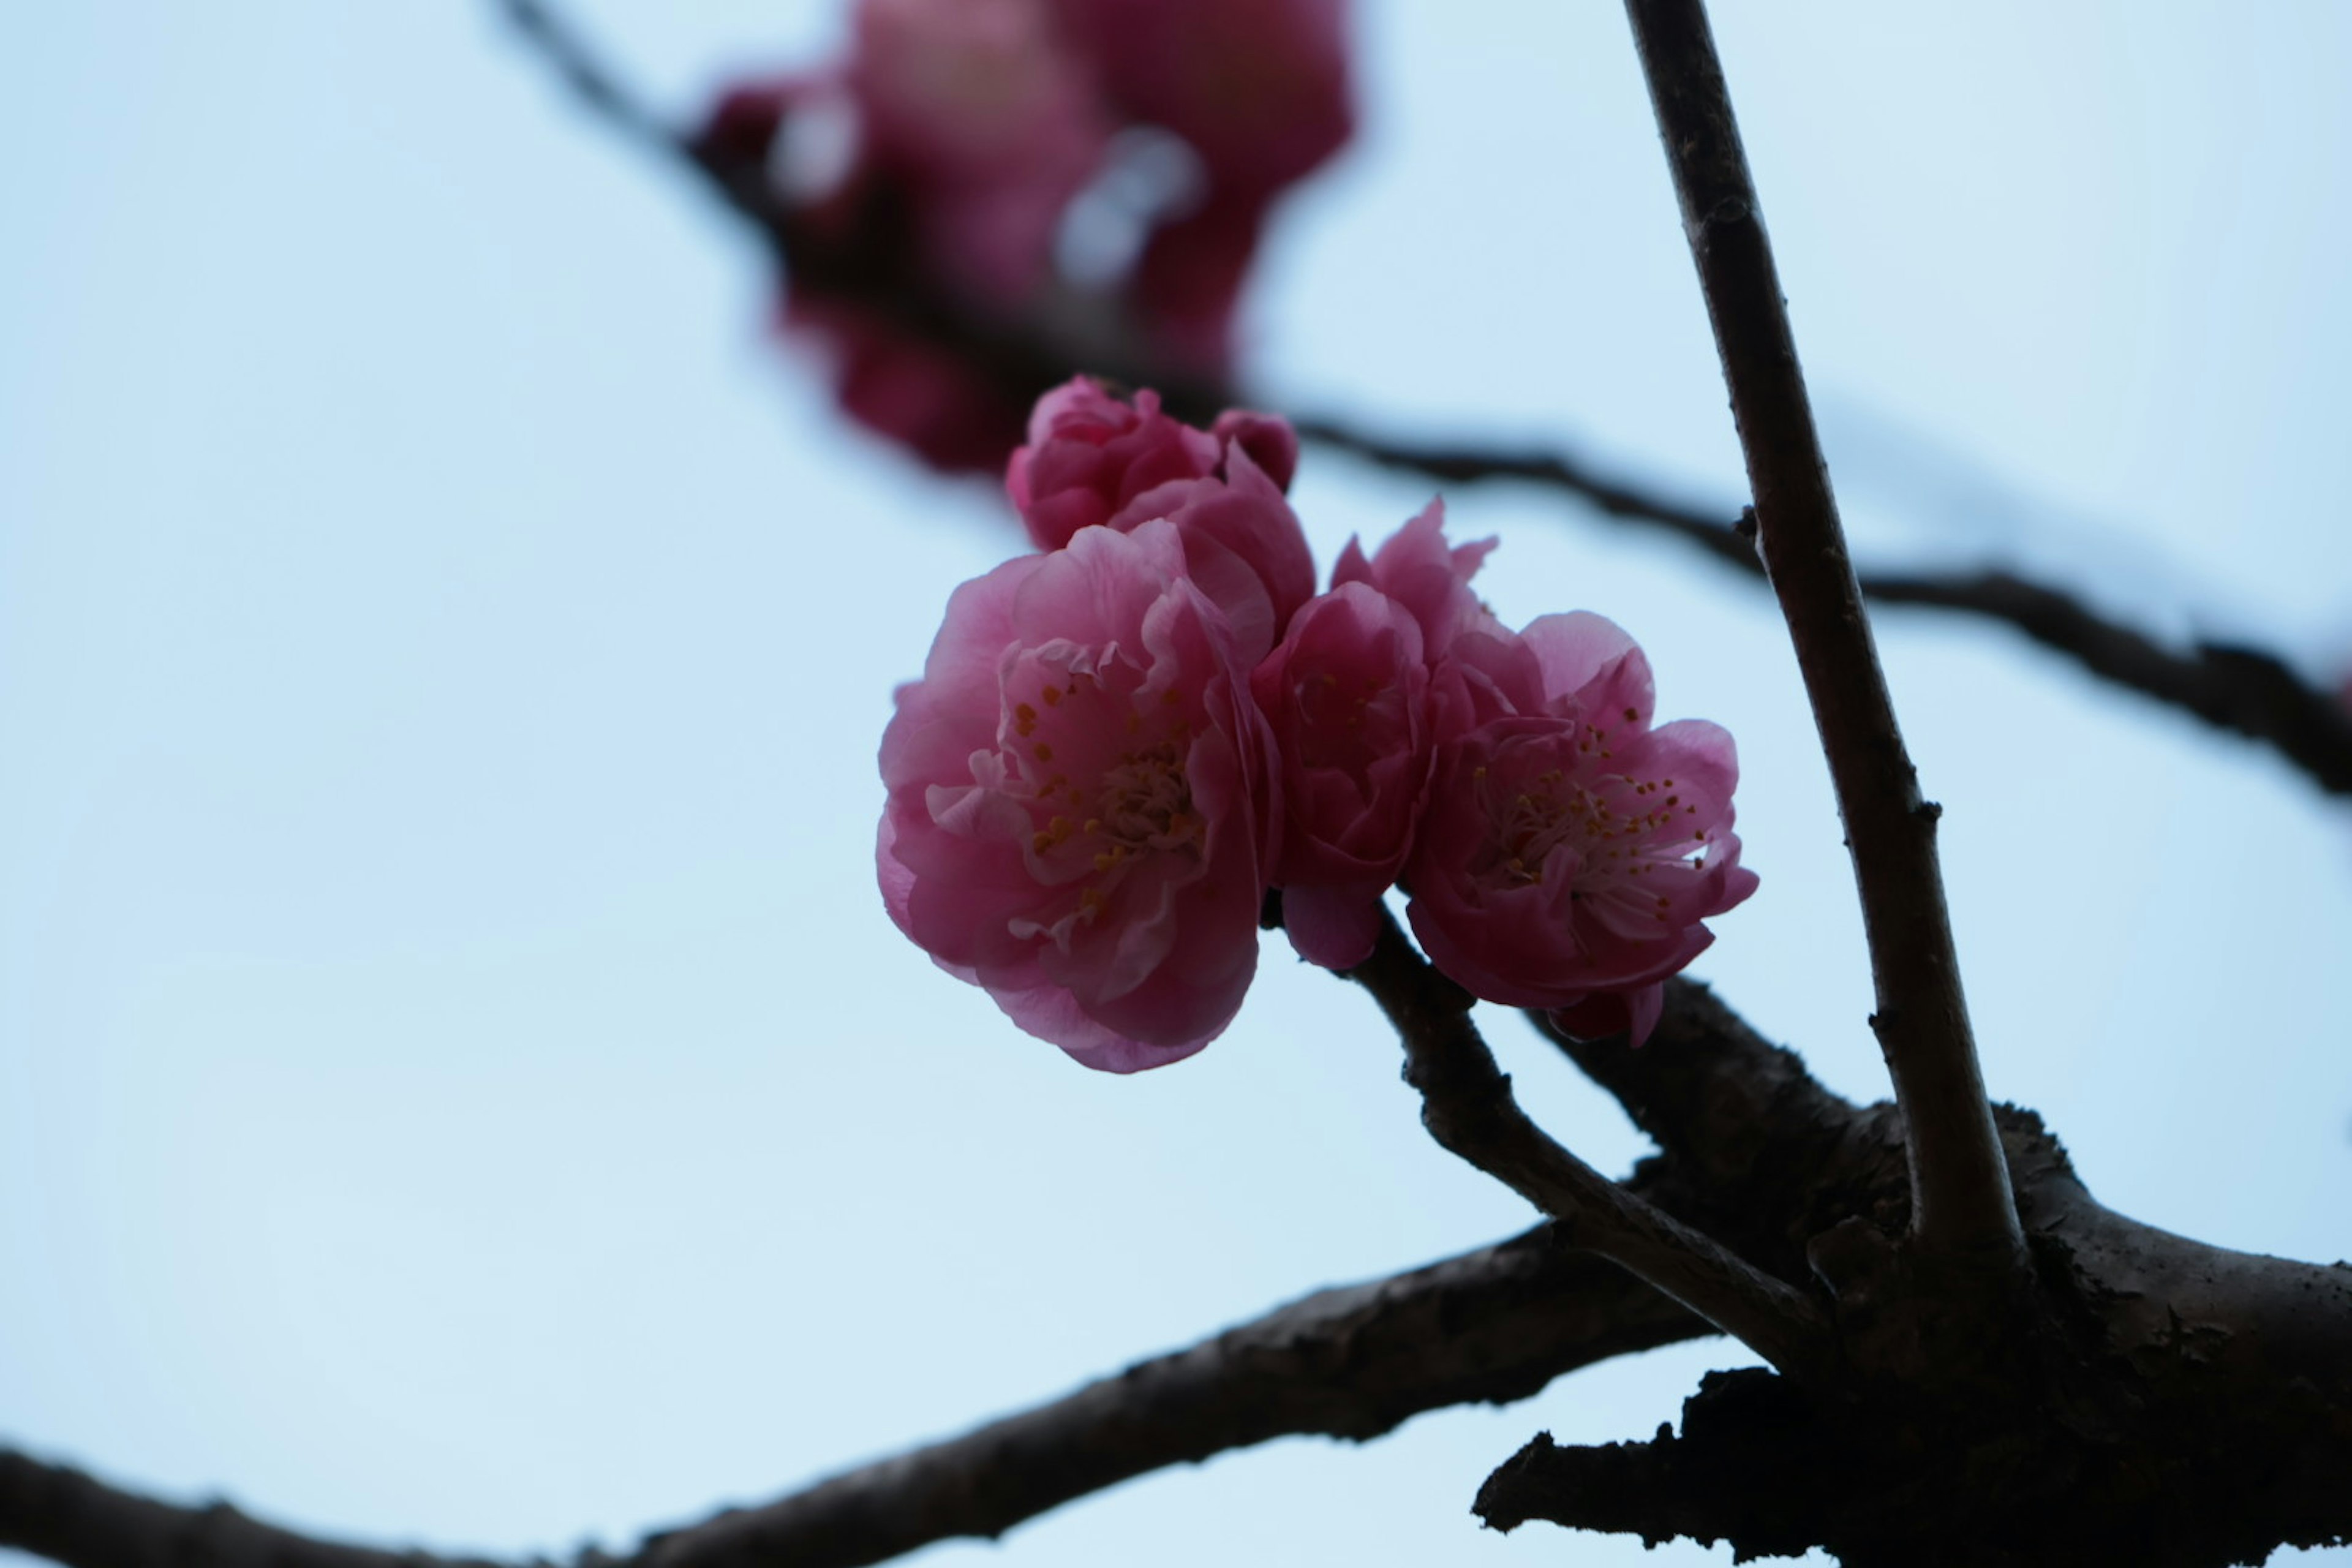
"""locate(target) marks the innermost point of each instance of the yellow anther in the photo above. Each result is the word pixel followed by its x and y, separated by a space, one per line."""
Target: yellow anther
pixel 1044 753
pixel 1052 695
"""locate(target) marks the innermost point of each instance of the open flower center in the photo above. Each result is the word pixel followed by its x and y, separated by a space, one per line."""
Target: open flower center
pixel 1103 767
pixel 1620 830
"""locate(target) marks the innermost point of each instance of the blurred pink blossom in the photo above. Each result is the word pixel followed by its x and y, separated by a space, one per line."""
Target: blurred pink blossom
pixel 1259 91
pixel 1346 694
pixel 1082 801
pixel 986 123
pixel 959 137
pixel 1568 851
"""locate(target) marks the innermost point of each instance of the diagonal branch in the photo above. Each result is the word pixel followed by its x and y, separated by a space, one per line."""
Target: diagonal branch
pixel 2244 690
pixel 1961 1202
pixel 1468 1107
pixel 1493 1325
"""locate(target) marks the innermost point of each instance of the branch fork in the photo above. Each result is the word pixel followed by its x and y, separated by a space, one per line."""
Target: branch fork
pixel 1468 1107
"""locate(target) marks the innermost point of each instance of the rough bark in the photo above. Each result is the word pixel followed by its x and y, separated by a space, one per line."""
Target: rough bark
pixel 2183 1406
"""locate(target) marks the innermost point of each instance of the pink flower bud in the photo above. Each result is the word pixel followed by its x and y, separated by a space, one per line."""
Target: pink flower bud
pixel 1569 852
pixel 1270 441
pixel 1430 578
pixel 1082 805
pixel 1347 695
pixel 1091 453
pixel 1094 458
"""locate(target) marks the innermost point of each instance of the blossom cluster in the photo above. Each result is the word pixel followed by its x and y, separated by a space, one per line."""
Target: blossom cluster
pixel 1021 156
pixel 1121 743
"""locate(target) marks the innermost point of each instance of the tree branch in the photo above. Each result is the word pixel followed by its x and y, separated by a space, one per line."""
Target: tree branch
pixel 1493 1325
pixel 1467 1106
pixel 2244 690
pixel 1961 1204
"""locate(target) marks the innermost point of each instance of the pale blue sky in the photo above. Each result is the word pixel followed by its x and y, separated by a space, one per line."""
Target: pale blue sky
pixel 457 1081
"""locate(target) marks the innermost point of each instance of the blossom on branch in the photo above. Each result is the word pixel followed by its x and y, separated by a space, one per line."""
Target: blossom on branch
pixel 1569 851
pixel 1347 695
pixel 1082 800
pixel 1419 570
pixel 1095 459
pixel 1119 745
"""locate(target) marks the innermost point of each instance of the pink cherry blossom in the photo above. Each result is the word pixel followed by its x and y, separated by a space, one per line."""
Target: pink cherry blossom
pixel 1259 89
pixel 1347 695
pixel 1082 802
pixel 987 123
pixel 1091 452
pixel 1094 458
pixel 1430 578
pixel 1568 851
pixel 903 386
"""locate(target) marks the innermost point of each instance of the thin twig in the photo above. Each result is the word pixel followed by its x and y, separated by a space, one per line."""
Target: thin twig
pixel 582 69
pixel 2244 690
pixel 1493 1325
pixel 1961 1202
pixel 1468 1107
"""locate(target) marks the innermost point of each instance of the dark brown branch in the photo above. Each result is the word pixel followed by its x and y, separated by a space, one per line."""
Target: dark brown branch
pixel 551 37
pixel 2242 689
pixel 61 1514
pixel 1961 1204
pixel 2192 1407
pixel 2231 686
pixel 1552 469
pixel 1468 1107
pixel 1493 1325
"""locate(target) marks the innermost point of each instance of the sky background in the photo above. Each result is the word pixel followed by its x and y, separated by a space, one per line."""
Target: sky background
pixel 457 1084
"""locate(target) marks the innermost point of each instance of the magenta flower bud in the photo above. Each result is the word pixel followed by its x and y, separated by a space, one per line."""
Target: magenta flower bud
pixel 1347 695
pixel 1568 851
pixel 1091 453
pixel 1430 578
pixel 1094 458
pixel 1082 802
pixel 1269 440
